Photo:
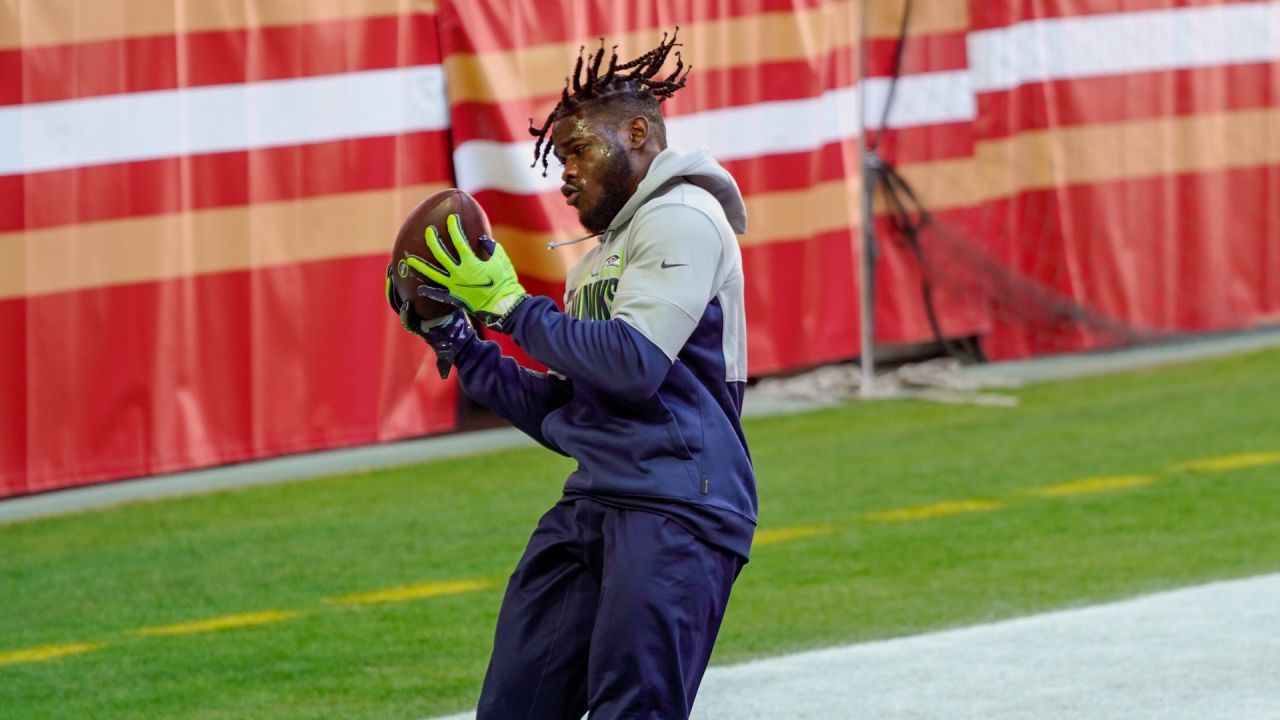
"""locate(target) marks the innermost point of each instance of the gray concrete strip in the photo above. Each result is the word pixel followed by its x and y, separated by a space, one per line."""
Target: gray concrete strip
pixel 331 462
pixel 263 472
pixel 306 466
pixel 1175 350
pixel 1202 653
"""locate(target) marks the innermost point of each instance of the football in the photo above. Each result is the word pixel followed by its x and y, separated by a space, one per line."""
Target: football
pixel 411 240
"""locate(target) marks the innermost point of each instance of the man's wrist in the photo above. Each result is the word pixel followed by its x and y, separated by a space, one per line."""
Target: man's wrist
pixel 506 323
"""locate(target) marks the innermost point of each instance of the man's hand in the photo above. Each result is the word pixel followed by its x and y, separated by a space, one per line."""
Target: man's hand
pixel 393 297
pixel 446 335
pixel 487 289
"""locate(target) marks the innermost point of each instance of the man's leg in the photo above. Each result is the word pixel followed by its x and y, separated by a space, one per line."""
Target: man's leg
pixel 663 595
pixel 538 670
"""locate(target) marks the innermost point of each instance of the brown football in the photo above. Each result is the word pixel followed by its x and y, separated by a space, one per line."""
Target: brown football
pixel 411 240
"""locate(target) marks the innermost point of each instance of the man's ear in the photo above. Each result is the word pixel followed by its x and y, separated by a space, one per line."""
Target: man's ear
pixel 637 132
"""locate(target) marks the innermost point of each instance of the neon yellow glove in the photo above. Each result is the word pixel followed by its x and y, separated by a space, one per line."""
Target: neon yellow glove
pixel 488 289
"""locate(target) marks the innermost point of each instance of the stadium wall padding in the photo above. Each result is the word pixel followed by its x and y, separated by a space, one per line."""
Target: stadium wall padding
pixel 1129 152
pixel 196 198
pixel 195 202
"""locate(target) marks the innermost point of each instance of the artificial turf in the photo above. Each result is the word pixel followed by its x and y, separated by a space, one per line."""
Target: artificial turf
pixel 96 577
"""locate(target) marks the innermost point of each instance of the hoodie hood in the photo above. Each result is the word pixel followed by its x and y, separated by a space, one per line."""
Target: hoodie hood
pixel 696 167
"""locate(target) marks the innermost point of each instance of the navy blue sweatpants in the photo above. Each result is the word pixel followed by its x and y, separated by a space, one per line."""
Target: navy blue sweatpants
pixel 609 609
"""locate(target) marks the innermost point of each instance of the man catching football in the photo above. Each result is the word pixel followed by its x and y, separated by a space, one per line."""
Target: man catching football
pixel 616 603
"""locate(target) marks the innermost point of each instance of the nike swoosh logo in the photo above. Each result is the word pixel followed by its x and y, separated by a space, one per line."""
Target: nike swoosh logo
pixel 472 285
pixel 666 266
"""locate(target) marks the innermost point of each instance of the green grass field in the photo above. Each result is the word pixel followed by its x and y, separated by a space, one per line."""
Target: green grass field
pixel 878 520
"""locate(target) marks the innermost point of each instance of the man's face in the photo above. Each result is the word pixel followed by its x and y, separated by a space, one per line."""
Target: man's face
pixel 597 173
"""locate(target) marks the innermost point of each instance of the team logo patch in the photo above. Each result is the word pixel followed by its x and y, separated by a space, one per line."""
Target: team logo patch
pixel 610 268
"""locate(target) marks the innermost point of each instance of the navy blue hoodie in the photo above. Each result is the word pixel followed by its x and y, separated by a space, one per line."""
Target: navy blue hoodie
pixel 648 360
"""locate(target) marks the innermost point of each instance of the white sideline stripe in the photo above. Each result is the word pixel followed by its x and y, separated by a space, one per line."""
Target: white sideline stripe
pixel 221 118
pixel 1120 43
pixel 1203 652
pixel 744 131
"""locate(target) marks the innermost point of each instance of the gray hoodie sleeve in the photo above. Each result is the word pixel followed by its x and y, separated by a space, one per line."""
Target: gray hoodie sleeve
pixel 670 273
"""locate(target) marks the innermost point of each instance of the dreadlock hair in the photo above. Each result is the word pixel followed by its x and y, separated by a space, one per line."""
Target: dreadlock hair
pixel 632 87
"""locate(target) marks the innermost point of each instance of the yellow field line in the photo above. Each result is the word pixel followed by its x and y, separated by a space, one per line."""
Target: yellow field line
pixel 1229 462
pixel 933 510
pixel 243 620
pixel 1085 486
pixel 412 592
pixel 773 536
pixel 214 624
pixel 46 652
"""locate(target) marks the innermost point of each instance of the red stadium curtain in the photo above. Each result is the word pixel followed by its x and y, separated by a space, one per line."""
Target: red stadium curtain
pixel 927 137
pixel 1129 159
pixel 196 200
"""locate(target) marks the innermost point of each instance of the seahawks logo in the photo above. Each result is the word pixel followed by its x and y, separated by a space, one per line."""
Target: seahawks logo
pixel 613 261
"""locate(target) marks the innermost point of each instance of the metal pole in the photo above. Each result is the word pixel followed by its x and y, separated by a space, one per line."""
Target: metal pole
pixel 867 256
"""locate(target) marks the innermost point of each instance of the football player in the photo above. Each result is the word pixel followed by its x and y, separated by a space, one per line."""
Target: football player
pixel 616 603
